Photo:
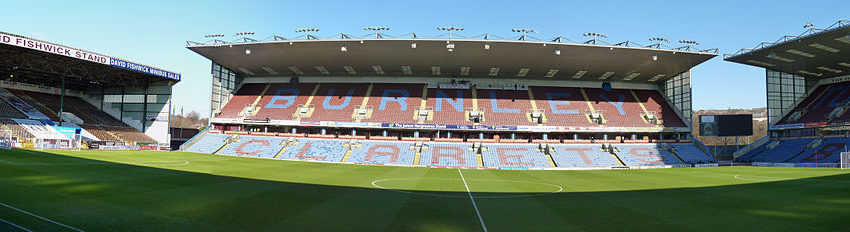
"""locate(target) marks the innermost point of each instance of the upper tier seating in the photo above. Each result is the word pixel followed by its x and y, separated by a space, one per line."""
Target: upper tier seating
pixel 645 155
pixel 394 102
pixel 316 150
pixel 582 156
pixel 449 105
pixel 654 102
pixel 383 152
pixel 505 107
pixel 821 103
pixel 619 107
pixel 562 106
pixel 500 155
pixel 397 103
pixel 244 97
pixel 281 101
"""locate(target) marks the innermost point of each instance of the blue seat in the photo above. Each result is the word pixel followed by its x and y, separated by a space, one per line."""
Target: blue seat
pixel 383 152
pixel 208 144
pixel 517 155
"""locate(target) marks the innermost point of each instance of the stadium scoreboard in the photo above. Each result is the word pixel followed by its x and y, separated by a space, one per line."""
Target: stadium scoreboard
pixel 726 125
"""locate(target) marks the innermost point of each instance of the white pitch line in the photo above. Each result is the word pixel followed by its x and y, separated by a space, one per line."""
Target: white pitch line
pixel 40 217
pixel 480 219
pixel 15 225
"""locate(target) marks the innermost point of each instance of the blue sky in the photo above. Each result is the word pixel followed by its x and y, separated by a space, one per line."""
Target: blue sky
pixel 154 32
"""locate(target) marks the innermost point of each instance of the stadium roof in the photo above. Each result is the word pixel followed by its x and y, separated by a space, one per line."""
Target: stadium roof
pixel 451 57
pixel 28 60
pixel 817 53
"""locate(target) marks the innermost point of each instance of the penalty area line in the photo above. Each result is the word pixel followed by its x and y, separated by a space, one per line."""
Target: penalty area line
pixel 16 225
pixel 480 219
pixel 40 217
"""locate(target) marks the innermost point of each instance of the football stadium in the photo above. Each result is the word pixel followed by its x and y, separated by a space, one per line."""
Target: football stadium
pixel 439 131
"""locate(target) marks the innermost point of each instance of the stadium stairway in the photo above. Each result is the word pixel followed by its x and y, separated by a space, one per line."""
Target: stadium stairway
pixel 616 157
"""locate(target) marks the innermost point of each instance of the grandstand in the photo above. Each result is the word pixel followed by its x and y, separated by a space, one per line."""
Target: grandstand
pixel 92 98
pixel 807 96
pixel 452 102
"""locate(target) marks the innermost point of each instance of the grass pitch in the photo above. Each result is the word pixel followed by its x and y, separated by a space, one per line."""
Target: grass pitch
pixel 176 191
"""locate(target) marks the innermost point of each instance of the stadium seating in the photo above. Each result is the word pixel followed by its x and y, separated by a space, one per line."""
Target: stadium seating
pixel 209 143
pixel 619 107
pixel 244 97
pixel 582 156
pixel 691 154
pixel 326 150
pixel 654 102
pixel 645 155
pixel 785 150
pixel 264 147
pixel 9 111
pixel 500 155
pixel 394 102
pixel 821 103
pixel 448 154
pixel 336 102
pixel 828 152
pixel 504 107
pixel 449 105
pixel 281 101
pixel 563 106
pixel 383 152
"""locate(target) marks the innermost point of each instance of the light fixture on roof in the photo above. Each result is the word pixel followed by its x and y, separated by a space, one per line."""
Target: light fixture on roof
pixel 522 72
pixel 377 31
pixel 413 45
pixel 654 57
pixel 595 37
pixel 378 69
pixel 464 71
pixel 247 33
pixel 606 75
pixel 296 70
pixel 579 74
pixel 486 46
pixel 524 32
pixel 557 52
pixel 808 25
pixel 450 30
pixel 247 51
pixel 450 46
pixel 494 72
pixel 214 36
pixel 435 70
pixel 551 73
pixel 322 70
pixel 406 70
pixel 349 69
pixel 343 48
pixel 307 32
pixel 824 47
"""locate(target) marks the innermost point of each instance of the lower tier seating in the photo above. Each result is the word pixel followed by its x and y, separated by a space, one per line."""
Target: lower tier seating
pixel 445 154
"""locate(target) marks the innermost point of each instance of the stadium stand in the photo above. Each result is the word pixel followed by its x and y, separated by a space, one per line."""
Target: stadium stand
pixel 316 150
pixel 785 149
pixel 449 105
pixel 691 154
pixel 818 106
pixel 827 152
pixel 500 155
pixel 645 155
pixel 505 107
pixel 564 106
pixel 383 152
pixel 394 102
pixel 619 107
pixel 9 111
pixel 208 143
pixel 582 156
pixel 264 147
pixel 343 102
pixel 448 154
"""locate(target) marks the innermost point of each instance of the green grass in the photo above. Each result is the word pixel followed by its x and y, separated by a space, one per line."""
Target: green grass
pixel 176 191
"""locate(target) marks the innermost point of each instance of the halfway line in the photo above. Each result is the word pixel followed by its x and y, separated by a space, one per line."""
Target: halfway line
pixel 473 201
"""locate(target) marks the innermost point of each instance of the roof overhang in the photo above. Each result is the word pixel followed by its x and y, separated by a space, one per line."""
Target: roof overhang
pixel 820 54
pixel 506 59
pixel 28 60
